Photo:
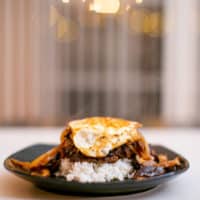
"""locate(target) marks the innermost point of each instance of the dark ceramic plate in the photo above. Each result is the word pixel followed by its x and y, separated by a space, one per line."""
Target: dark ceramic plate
pixel 109 188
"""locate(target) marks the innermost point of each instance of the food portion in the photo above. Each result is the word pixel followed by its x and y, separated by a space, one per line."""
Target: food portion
pixel 100 149
pixel 95 172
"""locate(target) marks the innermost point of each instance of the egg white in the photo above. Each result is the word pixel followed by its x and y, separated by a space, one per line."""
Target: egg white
pixel 97 136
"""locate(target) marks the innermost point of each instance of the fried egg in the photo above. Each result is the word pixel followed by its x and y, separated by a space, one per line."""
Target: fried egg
pixel 97 136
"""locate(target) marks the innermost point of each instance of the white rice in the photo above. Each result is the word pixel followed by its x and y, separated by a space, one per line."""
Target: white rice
pixel 92 172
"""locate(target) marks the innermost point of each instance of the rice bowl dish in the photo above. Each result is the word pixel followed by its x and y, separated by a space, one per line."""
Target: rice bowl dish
pixel 99 149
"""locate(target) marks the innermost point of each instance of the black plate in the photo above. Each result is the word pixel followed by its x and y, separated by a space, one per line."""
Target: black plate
pixel 109 188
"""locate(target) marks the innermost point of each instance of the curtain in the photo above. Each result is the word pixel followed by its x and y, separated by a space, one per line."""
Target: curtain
pixel 27 63
pixel 60 61
pixel 181 71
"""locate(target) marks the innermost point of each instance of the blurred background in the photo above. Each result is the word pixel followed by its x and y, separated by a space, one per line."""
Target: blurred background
pixel 67 59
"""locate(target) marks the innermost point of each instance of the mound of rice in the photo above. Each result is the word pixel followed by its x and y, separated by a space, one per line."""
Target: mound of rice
pixel 92 172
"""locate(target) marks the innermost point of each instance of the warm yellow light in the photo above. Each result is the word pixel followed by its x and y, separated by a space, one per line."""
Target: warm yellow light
pixel 95 7
pixel 138 1
pixel 105 6
pixel 65 1
pixel 128 7
pixel 66 30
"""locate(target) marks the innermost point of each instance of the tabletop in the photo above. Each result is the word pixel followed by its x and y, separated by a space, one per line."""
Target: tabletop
pixel 185 141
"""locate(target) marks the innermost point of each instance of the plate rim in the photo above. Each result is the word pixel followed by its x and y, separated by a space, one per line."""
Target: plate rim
pixel 127 181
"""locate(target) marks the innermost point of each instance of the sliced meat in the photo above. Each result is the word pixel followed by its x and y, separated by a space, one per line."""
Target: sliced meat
pixel 149 171
pixel 75 155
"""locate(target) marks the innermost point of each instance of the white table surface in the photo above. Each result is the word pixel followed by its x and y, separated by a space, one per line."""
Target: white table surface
pixel 184 141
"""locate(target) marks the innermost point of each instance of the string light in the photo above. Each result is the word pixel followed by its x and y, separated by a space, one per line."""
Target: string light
pixel 95 7
pixel 105 6
pixel 65 1
pixel 138 1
